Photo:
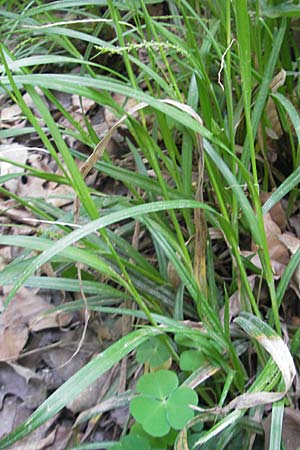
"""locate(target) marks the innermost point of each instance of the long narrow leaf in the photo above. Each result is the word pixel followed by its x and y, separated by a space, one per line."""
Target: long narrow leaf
pixel 95 225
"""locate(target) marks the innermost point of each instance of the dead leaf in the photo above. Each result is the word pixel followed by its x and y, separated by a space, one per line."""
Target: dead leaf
pixel 12 414
pixel 32 393
pixel 25 313
pixel 278 251
pixel 173 276
pixel 10 113
pixel 24 372
pixel 290 241
pixel 12 340
pixel 56 358
pixel 277 213
pixel 45 438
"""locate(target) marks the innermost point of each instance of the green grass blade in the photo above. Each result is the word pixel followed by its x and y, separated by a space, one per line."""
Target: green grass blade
pixel 282 190
pixel 243 37
pixel 267 78
pixel 276 426
pixel 267 337
pixel 235 186
pixel 287 275
pixel 95 225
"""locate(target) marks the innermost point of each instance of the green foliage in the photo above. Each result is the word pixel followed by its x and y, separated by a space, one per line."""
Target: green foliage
pixel 161 403
pixel 132 442
pixel 154 352
pixel 218 58
pixel 191 360
pixel 161 443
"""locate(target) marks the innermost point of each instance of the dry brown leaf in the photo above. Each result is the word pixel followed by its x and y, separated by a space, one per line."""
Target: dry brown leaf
pixel 12 340
pixel 10 113
pixel 45 438
pixel 12 413
pixel 24 314
pixel 32 393
pixel 30 308
pixel 173 276
pixel 56 357
pixel 57 195
pixel 278 251
pixel 290 241
pixel 277 213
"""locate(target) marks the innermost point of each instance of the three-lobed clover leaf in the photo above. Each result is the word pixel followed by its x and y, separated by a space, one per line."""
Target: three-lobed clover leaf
pixel 132 442
pixel 156 443
pixel 162 404
pixel 153 351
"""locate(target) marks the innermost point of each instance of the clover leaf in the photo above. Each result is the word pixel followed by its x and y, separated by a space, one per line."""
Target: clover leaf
pixel 156 443
pixel 132 442
pixel 191 360
pixel 153 351
pixel 162 404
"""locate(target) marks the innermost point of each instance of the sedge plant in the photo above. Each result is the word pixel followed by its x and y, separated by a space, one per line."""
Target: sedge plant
pixel 200 82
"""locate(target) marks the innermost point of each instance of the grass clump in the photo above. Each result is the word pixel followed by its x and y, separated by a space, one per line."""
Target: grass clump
pixel 192 86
